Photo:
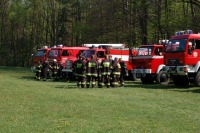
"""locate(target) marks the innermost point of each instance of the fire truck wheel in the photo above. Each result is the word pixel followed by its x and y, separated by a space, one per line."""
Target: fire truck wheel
pixel 135 78
pixel 162 78
pixel 197 79
pixel 180 81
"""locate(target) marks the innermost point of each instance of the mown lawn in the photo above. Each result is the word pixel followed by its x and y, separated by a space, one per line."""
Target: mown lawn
pixel 27 105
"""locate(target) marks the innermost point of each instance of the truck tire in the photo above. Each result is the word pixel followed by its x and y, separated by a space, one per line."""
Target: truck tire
pixel 162 78
pixel 197 79
pixel 135 77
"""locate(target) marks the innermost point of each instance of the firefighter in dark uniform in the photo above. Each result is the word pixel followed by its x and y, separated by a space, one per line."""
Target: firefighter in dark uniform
pixel 105 72
pixel 80 67
pixel 59 70
pixel 99 71
pixel 46 68
pixel 38 70
pixel 116 72
pixel 91 71
pixel 54 68
pixel 124 72
pixel 111 64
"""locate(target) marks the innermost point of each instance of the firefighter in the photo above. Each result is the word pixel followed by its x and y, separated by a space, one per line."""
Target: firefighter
pixel 99 71
pixel 59 70
pixel 91 71
pixel 124 71
pixel 80 72
pixel 46 68
pixel 105 72
pixel 111 64
pixel 38 70
pixel 54 68
pixel 116 72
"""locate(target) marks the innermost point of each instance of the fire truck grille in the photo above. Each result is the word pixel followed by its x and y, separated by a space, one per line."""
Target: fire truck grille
pixel 173 62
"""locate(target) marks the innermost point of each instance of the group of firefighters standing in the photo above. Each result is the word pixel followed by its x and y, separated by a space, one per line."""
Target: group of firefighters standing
pixel 109 72
pixel 93 72
pixel 45 70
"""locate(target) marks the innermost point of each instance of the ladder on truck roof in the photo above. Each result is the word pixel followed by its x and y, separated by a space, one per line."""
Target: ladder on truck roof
pixel 105 45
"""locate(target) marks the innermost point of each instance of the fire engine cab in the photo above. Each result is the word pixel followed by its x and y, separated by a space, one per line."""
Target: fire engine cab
pixel 63 53
pixel 41 55
pixel 182 58
pixel 148 63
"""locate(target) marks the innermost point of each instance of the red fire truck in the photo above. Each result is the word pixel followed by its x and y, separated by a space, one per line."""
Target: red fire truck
pixel 148 62
pixel 63 53
pixel 67 55
pixel 41 55
pixel 182 58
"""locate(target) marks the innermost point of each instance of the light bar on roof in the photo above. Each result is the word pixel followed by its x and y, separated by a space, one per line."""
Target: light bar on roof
pixel 111 45
pixel 184 32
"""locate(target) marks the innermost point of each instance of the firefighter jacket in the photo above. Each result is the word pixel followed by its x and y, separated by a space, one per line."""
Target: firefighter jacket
pixel 46 66
pixel 80 68
pixel 60 66
pixel 124 69
pixel 55 67
pixel 39 67
pixel 116 68
pixel 105 67
pixel 92 68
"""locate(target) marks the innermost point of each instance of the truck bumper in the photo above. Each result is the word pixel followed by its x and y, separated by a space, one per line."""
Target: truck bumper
pixel 67 70
pixel 138 73
pixel 176 70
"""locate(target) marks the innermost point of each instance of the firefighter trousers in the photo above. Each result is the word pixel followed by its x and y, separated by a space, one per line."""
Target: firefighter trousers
pixel 105 80
pixel 115 81
pixel 81 81
pixel 91 79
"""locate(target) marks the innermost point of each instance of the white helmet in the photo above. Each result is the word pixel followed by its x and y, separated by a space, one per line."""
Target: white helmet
pixel 54 60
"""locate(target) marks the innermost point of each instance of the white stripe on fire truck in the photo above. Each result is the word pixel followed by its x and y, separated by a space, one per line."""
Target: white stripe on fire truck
pixel 148 57
pixel 124 57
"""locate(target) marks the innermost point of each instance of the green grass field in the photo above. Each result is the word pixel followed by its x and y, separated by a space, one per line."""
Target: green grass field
pixel 27 105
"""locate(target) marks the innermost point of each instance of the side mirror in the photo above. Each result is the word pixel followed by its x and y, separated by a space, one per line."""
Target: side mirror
pixel 190 48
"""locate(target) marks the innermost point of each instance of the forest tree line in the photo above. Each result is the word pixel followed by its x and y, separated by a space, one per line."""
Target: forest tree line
pixel 26 25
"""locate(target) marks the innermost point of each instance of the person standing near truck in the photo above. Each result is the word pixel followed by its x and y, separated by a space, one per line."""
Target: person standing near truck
pixel 105 72
pixel 80 69
pixel 38 70
pixel 116 72
pixel 91 71
pixel 123 72
pixel 46 68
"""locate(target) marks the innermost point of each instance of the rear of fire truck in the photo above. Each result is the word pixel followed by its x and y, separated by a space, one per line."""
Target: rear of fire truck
pixel 182 58
pixel 148 63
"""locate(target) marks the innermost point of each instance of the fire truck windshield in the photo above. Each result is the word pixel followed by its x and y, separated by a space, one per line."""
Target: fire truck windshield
pixel 88 53
pixel 54 53
pixel 177 45
pixel 40 53
pixel 143 51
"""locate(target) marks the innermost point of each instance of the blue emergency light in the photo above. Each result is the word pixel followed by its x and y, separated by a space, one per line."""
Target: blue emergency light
pixel 178 33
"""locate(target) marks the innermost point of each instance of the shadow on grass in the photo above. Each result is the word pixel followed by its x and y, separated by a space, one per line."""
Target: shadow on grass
pixel 156 86
pixel 29 78
pixel 189 90
pixel 128 84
